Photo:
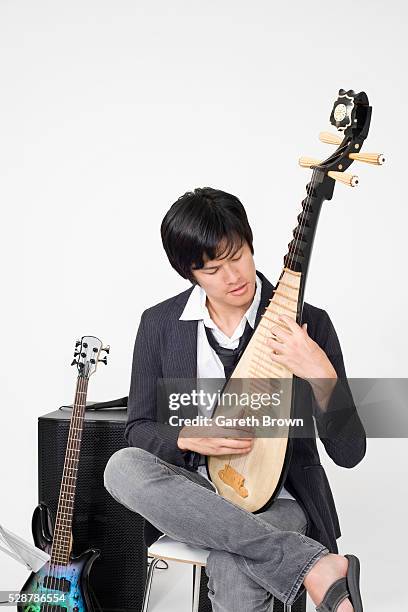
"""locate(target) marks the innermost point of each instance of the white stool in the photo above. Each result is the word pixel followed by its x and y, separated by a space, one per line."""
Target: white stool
pixel 167 548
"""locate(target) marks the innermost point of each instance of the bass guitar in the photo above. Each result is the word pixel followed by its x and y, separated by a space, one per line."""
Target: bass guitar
pixel 61 585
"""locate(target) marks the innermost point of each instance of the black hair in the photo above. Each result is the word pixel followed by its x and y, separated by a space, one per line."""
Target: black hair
pixel 197 223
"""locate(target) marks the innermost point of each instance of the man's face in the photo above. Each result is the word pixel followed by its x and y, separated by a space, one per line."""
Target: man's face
pixel 220 277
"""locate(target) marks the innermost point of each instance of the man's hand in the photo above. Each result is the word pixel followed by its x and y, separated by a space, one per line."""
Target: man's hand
pixel 293 348
pixel 239 440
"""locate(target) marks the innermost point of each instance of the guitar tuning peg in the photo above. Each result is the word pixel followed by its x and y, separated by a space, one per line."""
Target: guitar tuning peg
pixel 343 177
pixel 76 353
pixel 74 362
pixel 106 348
pixel 307 162
pixel 329 138
pixel 104 360
pixel 77 343
pixel 377 159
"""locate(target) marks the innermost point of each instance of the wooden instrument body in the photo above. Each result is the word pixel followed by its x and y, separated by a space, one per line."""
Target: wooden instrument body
pixel 66 585
pixel 264 467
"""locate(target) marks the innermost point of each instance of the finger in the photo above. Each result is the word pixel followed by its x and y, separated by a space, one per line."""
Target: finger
pixel 233 451
pixel 241 433
pixel 231 443
pixel 293 326
pixel 279 358
pixel 280 333
pixel 276 346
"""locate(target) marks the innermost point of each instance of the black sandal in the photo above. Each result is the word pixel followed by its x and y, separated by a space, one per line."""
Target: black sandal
pixel 343 588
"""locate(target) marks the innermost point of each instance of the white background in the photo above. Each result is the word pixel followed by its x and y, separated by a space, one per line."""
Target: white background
pixel 111 110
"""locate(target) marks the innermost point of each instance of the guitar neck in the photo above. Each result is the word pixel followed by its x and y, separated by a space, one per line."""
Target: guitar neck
pixel 62 540
pixel 297 259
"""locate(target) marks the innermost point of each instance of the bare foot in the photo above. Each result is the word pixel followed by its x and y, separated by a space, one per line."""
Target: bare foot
pixel 324 572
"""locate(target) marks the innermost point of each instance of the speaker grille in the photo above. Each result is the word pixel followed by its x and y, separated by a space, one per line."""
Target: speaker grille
pixel 118 576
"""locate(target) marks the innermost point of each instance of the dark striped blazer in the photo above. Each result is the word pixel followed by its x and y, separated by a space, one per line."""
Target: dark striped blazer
pixel 166 347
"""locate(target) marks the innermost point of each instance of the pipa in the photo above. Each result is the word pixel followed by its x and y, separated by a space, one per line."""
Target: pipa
pixel 252 480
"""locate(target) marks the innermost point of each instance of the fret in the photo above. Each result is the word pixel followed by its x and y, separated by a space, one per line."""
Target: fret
pixel 278 312
pixel 61 552
pixel 292 273
pixel 265 316
pixel 61 545
pixel 287 297
pixel 67 495
pixel 57 552
pixel 64 506
pixel 288 285
pixel 278 303
pixel 264 335
pixel 62 509
pixel 256 374
pixel 65 499
pixel 258 366
pixel 261 387
pixel 281 324
pixel 265 355
pixel 62 535
pixel 261 353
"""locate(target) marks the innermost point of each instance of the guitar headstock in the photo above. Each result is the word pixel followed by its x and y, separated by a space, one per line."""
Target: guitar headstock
pixel 351 115
pixel 87 355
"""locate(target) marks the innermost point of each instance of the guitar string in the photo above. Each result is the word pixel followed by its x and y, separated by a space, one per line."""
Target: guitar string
pixel 68 465
pixel 290 260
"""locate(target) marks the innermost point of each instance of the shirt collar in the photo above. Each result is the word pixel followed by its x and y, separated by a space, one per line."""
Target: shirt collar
pixel 196 310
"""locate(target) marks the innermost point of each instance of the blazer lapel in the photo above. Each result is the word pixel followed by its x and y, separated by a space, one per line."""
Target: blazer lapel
pixel 188 359
pixel 184 341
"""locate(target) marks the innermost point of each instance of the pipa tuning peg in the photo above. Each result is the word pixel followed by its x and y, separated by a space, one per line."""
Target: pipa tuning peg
pixel 377 159
pixel 330 138
pixel 308 162
pixel 343 177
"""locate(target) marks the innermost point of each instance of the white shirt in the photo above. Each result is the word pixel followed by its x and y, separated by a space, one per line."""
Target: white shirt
pixel 209 365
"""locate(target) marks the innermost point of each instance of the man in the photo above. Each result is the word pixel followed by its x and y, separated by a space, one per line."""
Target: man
pixel 200 333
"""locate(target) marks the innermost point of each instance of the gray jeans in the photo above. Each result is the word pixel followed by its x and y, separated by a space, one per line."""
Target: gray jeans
pixel 252 556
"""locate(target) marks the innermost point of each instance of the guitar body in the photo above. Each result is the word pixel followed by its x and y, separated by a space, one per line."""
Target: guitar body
pixel 66 585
